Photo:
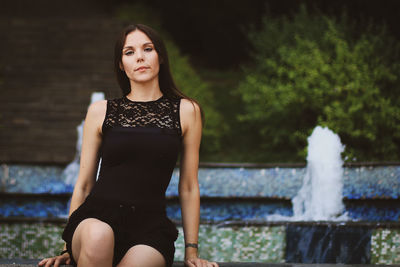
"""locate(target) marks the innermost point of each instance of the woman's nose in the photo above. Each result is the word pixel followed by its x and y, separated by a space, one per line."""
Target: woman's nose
pixel 139 56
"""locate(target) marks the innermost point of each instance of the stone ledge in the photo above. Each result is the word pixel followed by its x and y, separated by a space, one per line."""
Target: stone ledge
pixel 33 263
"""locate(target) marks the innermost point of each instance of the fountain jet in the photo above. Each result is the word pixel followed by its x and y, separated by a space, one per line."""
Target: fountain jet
pixel 320 197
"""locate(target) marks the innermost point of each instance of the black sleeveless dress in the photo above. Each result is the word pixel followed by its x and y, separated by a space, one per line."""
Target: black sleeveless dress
pixel 140 146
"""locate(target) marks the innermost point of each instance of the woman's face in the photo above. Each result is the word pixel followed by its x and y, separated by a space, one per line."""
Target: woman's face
pixel 139 58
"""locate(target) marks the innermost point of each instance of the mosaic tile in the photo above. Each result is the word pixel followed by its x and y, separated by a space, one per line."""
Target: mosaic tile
pixel 34 208
pixel 223 244
pixel 26 240
pixel 373 211
pixel 211 212
pixel 218 243
pixel 244 244
pixel 30 241
pixel 372 182
pixel 215 211
pixel 33 179
pixel 359 182
pixel 385 246
pixel 271 182
pixel 222 211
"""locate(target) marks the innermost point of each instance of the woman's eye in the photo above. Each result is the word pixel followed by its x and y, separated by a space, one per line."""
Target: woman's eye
pixel 129 53
pixel 148 49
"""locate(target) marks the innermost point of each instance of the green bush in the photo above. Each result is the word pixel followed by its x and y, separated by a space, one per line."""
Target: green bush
pixel 314 70
pixel 184 75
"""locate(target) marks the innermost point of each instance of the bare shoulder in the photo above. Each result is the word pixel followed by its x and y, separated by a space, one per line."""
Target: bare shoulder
pixel 189 108
pixel 98 108
pixel 96 114
pixel 190 115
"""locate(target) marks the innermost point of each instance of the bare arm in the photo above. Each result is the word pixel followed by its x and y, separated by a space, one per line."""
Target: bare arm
pixel 189 193
pixel 89 160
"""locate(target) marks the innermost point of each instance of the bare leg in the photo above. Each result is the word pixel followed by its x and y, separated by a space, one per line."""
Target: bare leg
pixel 142 256
pixel 93 244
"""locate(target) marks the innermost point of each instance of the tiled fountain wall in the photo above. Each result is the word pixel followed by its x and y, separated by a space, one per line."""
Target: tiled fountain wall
pixel 241 243
pixel 235 204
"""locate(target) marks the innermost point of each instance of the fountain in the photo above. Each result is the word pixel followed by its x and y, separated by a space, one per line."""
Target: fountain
pixel 323 235
pixel 320 197
pixel 236 207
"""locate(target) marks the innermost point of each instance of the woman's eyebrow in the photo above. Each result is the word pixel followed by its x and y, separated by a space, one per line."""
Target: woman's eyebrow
pixel 127 47
pixel 148 43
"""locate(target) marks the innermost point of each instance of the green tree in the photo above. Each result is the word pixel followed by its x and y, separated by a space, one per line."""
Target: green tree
pixel 314 70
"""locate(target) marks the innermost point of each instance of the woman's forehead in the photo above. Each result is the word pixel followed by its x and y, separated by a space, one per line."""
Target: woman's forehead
pixel 137 38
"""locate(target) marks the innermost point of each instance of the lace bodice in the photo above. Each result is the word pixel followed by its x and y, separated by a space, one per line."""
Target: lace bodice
pixel 140 146
pixel 161 113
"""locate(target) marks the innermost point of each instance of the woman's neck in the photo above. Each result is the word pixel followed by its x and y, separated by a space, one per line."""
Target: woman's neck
pixel 145 91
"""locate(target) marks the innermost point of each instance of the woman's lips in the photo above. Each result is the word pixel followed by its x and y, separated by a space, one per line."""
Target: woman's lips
pixel 141 69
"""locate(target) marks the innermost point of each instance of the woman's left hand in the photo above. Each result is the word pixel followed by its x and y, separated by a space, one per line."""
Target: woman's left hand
pixel 197 262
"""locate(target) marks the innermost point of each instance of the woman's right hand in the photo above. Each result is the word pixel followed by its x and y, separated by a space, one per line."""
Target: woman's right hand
pixel 57 260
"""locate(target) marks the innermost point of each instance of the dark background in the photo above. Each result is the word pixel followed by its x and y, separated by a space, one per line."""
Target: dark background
pixel 213 32
pixel 54 54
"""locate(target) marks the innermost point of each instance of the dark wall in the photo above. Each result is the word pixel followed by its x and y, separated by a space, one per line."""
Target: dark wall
pixel 51 60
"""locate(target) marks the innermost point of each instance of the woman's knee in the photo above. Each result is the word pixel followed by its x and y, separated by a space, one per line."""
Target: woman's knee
pixel 93 238
pixel 142 255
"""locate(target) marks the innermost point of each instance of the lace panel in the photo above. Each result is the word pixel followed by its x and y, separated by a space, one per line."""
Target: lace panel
pixel 162 113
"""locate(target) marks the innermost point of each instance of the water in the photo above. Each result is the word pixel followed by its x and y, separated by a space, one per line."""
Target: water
pixel 320 197
pixel 70 173
pixel 328 243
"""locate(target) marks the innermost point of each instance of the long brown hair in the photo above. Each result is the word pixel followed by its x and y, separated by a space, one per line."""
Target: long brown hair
pixel 166 82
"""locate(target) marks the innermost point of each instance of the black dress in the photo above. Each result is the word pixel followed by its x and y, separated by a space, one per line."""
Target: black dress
pixel 140 146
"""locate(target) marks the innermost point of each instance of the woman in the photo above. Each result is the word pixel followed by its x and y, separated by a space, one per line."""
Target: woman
pixel 120 220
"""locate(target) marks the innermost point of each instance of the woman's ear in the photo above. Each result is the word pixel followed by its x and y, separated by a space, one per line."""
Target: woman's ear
pixel 121 66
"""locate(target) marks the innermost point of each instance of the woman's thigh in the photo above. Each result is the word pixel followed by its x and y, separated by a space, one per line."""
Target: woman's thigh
pixel 93 236
pixel 142 255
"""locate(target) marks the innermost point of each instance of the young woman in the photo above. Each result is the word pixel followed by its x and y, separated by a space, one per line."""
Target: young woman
pixel 120 220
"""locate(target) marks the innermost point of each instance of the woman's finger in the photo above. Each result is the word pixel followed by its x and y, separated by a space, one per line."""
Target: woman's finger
pixel 49 262
pixel 196 262
pixel 42 262
pixel 189 263
pixel 57 262
pixel 201 263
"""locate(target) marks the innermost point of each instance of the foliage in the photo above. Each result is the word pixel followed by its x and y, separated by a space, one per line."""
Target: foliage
pixel 184 75
pixel 314 70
